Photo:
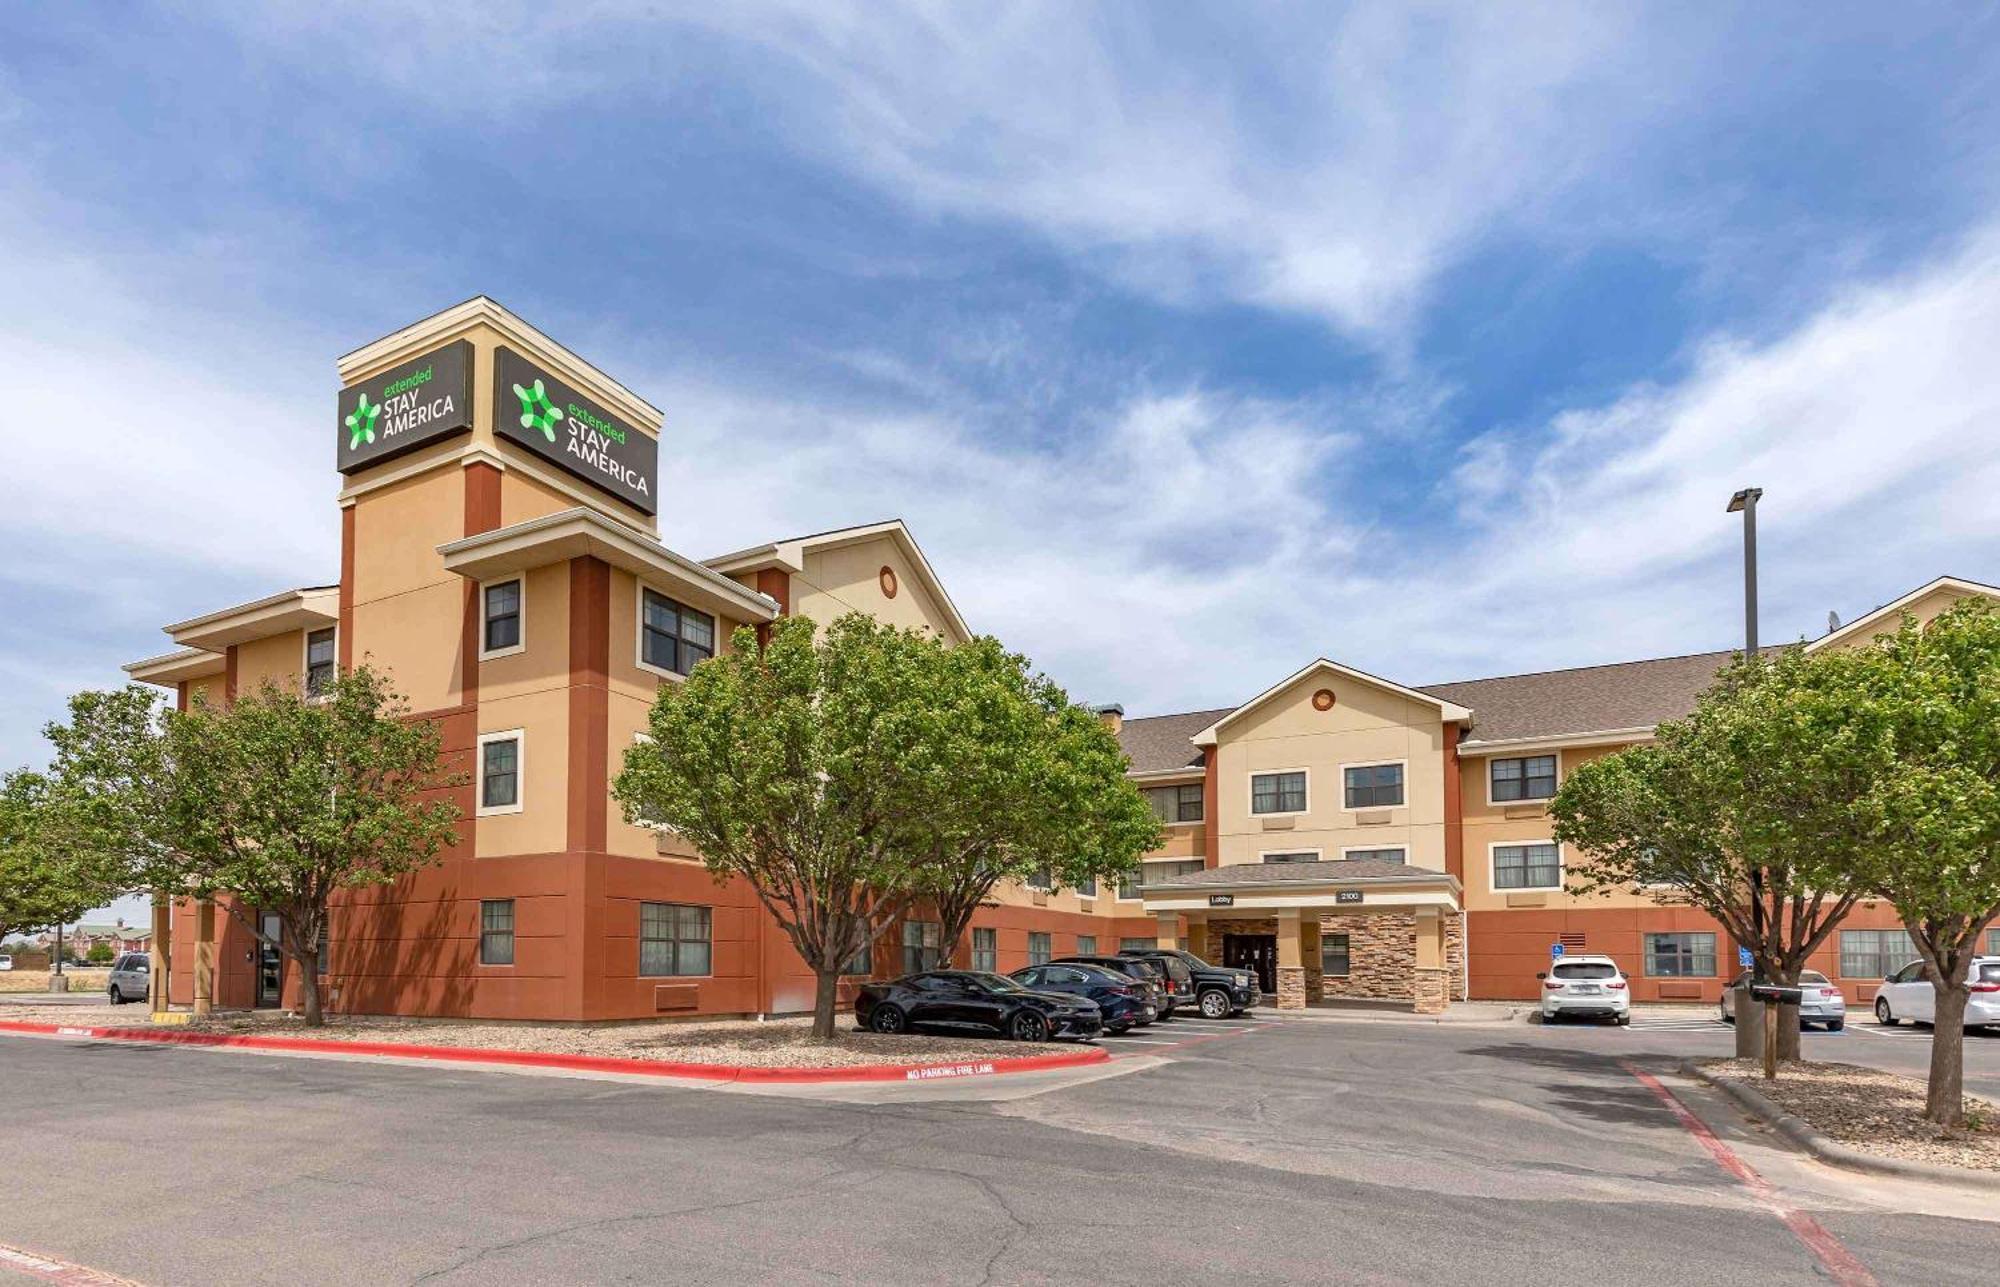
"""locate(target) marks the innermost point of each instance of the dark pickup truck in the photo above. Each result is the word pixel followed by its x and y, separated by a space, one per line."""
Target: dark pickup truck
pixel 1219 992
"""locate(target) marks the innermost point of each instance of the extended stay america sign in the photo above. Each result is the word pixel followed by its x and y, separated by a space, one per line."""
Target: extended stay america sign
pixel 539 412
pixel 407 406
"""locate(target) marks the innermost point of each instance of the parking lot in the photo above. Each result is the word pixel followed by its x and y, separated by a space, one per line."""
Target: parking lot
pixel 1267 1149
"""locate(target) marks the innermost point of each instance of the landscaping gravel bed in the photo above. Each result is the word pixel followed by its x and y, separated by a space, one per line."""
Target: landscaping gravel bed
pixel 777 1043
pixel 1875 1112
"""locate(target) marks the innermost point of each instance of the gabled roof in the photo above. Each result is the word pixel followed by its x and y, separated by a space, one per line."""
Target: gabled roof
pixel 1626 698
pixel 790 555
pixel 1448 711
pixel 1160 743
pixel 1886 615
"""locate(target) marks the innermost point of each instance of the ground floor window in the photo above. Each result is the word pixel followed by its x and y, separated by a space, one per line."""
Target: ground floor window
pixel 1874 954
pixel 863 960
pixel 1137 944
pixel 1681 956
pixel 1993 942
pixel 1333 955
pixel 985 949
pixel 921 943
pixel 1086 945
pixel 1039 949
pixel 673 939
pixel 496 931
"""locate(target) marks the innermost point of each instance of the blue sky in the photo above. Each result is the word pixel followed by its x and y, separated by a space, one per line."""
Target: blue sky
pixel 1192 342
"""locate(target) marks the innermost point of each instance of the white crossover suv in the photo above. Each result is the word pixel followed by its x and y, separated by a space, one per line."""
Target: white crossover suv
pixel 1586 985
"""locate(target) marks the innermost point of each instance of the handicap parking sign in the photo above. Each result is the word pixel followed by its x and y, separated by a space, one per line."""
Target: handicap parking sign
pixel 1555 949
pixel 1743 957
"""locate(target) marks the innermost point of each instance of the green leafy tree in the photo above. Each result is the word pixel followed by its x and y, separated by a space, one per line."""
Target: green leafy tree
pixel 51 869
pixel 1748 809
pixel 1933 702
pixel 99 954
pixel 1025 781
pixel 113 769
pixel 280 800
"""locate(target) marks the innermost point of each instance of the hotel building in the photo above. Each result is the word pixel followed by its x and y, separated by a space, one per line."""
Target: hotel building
pixel 1341 834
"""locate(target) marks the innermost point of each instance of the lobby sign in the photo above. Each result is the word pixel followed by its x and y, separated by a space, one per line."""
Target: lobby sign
pixel 405 407
pixel 1222 900
pixel 534 409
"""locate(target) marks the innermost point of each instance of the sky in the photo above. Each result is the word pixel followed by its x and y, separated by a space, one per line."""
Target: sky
pixel 1193 342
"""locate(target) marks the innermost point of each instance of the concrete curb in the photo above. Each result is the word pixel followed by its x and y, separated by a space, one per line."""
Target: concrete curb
pixel 1826 1149
pixel 578 1063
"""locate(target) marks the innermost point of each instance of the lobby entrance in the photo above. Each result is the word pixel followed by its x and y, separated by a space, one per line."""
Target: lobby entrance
pixel 1257 953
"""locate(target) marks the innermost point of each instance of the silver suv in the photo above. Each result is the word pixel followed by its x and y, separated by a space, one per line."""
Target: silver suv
pixel 131 978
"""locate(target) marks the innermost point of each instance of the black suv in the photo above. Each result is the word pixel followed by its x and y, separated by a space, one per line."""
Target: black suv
pixel 1219 993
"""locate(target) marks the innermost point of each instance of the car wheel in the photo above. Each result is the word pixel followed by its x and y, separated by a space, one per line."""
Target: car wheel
pixel 1836 1025
pixel 1624 1020
pixel 1725 1016
pixel 889 1019
pixel 1882 1015
pixel 1029 1025
pixel 1215 1005
pixel 112 992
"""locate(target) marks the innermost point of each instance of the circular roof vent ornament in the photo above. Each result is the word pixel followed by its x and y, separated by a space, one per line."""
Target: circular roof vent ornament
pixel 887 576
pixel 1323 700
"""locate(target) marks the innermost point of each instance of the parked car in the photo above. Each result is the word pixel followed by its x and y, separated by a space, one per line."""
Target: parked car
pixel 130 979
pixel 1907 994
pixel 1586 985
pixel 1124 1002
pixel 975 1000
pixel 1218 993
pixel 1820 1002
pixel 6 961
pixel 1150 972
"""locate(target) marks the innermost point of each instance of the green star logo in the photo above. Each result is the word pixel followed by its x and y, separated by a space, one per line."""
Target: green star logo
pixel 537 412
pixel 361 424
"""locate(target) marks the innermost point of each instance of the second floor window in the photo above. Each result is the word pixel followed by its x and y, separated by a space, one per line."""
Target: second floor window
pixel 1308 855
pixel 672 637
pixel 1376 855
pixel 319 661
pixel 1529 777
pixel 1527 867
pixel 1176 803
pixel 500 773
pixel 1278 792
pixel 503 617
pixel 1373 786
pixel 1041 878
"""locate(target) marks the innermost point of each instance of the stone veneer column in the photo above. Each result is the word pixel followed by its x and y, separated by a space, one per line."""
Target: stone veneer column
pixel 1433 988
pixel 1291 962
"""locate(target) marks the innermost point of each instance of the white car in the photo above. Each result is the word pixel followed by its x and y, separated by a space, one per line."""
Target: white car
pixel 1907 994
pixel 1819 1000
pixel 6 961
pixel 1587 985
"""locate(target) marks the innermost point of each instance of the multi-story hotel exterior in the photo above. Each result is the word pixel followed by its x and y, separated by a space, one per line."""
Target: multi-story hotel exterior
pixel 1343 835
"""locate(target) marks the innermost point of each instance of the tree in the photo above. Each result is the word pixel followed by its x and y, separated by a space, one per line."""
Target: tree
pixel 280 799
pixel 1748 809
pixel 1025 781
pixel 51 871
pixel 1933 698
pixel 99 954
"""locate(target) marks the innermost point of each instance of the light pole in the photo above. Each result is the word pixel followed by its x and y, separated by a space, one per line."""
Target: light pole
pixel 1744 502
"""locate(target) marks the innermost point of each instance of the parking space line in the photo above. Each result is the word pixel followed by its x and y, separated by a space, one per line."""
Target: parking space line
pixel 1840 1263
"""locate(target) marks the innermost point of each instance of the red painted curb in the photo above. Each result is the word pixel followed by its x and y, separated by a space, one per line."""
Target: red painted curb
pixel 581 1063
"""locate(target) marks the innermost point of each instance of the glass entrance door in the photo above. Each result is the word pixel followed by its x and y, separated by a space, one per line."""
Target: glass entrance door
pixel 1257 953
pixel 270 964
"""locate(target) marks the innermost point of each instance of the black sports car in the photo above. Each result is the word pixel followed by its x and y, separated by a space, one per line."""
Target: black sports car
pixel 974 1000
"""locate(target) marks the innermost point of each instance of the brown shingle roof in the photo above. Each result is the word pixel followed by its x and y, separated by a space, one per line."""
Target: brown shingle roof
pixel 1160 742
pixel 1587 699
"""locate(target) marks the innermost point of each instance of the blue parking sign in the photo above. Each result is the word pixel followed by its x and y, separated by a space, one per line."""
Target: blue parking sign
pixel 1743 957
pixel 1556 950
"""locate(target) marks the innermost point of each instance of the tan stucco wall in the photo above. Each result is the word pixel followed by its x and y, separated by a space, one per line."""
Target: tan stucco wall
pixel 848 579
pixel 1487 825
pixel 543 663
pixel 1923 610
pixel 280 659
pixel 408 610
pixel 523 498
pixel 1366 725
pixel 542 825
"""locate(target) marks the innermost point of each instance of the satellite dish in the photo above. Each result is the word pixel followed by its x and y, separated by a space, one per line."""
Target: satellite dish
pixel 1832 622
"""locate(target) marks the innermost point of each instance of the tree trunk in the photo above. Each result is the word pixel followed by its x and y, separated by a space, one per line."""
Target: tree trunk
pixel 1788 1021
pixel 309 1002
pixel 1944 1101
pixel 826 1003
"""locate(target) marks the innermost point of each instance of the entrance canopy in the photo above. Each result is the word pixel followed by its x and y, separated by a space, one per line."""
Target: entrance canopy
pixel 1357 886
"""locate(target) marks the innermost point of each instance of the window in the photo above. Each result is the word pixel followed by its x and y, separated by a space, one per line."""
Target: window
pixel 1528 777
pixel 1309 855
pixel 1375 855
pixel 921 943
pixel 673 939
pixel 1137 944
pixel 1176 803
pixel 862 962
pixel 1039 949
pixel 1278 792
pixel 1087 887
pixel 1152 872
pixel 1537 866
pixel 496 931
pixel 673 638
pixel 1681 956
pixel 1874 954
pixel 500 772
pixel 1373 786
pixel 1041 878
pixel 1993 942
pixel 985 949
pixel 319 661
pixel 503 619
pixel 1086 945
pixel 1333 955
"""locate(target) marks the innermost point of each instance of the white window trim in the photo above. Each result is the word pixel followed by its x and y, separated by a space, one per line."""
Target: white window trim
pixel 639 629
pixel 520 740
pixel 1250 801
pixel 520 579
pixel 1175 787
pixel 1376 849
pixel 1493 849
pixel 1541 802
pixel 1404 765
pixel 305 659
pixel 1263 855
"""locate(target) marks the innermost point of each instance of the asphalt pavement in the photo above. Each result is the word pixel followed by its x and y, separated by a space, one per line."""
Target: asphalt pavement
pixel 1292 1151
